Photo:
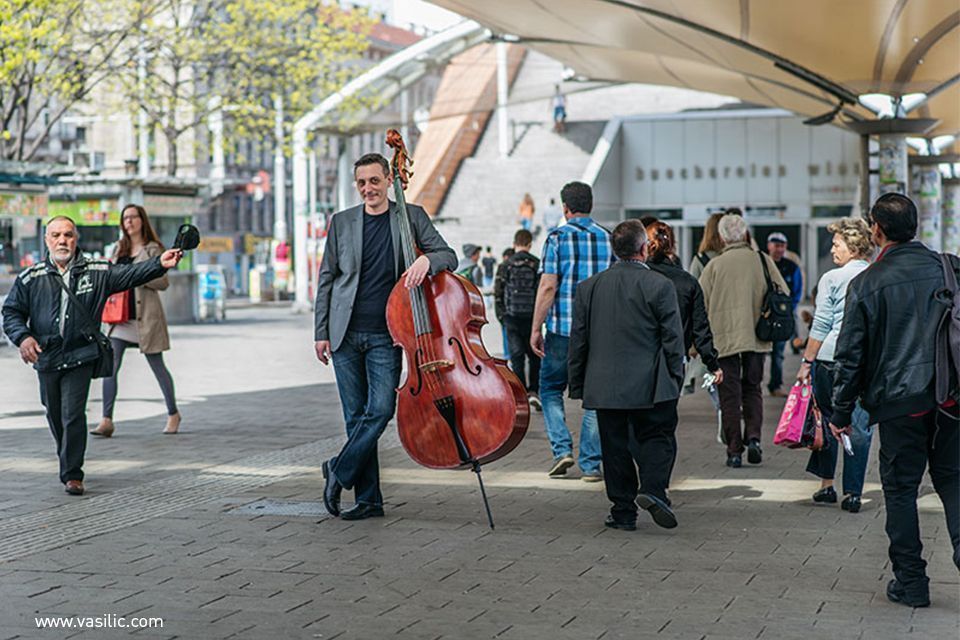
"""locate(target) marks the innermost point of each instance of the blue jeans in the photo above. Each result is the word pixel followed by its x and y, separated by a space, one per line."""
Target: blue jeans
pixel 823 463
pixel 368 372
pixel 776 366
pixel 553 382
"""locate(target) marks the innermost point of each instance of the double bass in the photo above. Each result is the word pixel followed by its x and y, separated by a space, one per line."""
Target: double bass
pixel 459 407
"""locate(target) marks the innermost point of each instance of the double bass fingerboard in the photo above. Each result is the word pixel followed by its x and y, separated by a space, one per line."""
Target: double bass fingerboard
pixel 418 302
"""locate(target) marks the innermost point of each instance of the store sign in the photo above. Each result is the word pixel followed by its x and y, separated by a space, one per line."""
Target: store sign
pixel 250 242
pixel 216 244
pixel 171 205
pixel 88 213
pixel 19 203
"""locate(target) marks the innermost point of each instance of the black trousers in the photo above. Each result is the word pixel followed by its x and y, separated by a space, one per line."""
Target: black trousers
pixel 907 446
pixel 741 397
pixel 518 344
pixel 64 394
pixel 653 451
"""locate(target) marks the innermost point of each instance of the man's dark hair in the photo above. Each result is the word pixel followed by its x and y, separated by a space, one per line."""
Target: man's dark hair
pixel 509 251
pixel 522 238
pixel 736 211
pixel 628 239
pixel 372 158
pixel 896 216
pixel 577 196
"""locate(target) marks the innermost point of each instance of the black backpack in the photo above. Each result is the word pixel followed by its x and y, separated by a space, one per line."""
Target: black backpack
pixel 520 285
pixel 776 315
pixel 948 334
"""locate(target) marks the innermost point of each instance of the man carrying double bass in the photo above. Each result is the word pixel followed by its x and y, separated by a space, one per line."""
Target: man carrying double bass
pixel 361 264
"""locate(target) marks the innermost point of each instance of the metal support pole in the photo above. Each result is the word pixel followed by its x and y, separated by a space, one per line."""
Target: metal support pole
pixel 405 114
pixel 218 169
pixel 926 188
pixel 279 174
pixel 894 174
pixel 300 205
pixel 143 154
pixel 502 128
pixel 951 216
pixel 864 175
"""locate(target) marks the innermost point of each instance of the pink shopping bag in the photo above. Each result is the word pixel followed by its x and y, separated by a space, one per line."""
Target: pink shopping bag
pixel 790 428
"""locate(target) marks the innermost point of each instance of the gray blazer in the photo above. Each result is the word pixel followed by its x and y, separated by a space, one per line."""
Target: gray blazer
pixel 340 268
pixel 626 340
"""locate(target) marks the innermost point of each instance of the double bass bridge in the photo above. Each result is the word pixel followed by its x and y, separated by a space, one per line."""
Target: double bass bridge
pixel 436 365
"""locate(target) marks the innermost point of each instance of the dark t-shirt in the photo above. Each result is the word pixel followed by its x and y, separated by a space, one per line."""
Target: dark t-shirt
pixel 376 276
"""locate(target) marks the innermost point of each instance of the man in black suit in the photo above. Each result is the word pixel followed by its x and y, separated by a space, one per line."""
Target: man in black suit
pixel 626 361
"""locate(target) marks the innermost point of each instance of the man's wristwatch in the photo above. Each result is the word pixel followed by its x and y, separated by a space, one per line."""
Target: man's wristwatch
pixel 805 361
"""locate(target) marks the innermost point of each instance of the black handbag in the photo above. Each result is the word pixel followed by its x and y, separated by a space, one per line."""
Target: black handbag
pixel 776 315
pixel 103 367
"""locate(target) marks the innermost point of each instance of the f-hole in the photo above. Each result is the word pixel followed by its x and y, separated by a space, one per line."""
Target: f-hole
pixel 463 357
pixel 416 367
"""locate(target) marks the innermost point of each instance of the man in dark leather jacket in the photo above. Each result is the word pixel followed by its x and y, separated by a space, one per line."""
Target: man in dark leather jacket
pixel 55 337
pixel 885 356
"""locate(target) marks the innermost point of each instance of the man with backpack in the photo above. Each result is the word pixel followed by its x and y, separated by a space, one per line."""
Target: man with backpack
pixel 516 294
pixel 894 354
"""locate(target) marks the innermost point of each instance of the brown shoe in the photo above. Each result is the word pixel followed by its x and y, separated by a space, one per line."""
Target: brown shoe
pixel 104 429
pixel 779 393
pixel 74 487
pixel 173 423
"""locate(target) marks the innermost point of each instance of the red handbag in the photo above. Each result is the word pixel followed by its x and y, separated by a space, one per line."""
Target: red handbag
pixel 117 308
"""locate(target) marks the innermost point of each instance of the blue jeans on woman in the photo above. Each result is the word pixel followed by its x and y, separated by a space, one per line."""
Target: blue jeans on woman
pixel 553 382
pixel 823 463
pixel 368 372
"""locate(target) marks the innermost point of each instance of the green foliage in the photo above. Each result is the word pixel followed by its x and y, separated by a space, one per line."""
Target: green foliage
pixel 236 55
pixel 195 54
pixel 52 53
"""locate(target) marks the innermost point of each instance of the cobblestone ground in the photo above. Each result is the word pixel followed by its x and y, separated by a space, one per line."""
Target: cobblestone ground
pixel 219 530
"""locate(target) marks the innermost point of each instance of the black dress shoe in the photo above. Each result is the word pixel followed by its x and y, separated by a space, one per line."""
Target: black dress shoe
pixel 897 593
pixel 331 491
pixel 624 525
pixel 754 452
pixel 851 504
pixel 827 495
pixel 734 461
pixel 662 514
pixel 362 512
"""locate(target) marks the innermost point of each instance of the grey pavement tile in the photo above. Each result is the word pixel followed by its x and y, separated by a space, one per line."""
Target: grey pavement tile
pixel 751 558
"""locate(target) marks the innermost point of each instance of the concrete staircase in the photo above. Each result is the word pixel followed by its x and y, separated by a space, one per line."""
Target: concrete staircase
pixel 482 203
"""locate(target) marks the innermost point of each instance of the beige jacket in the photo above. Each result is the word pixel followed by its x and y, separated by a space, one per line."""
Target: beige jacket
pixel 733 289
pixel 151 321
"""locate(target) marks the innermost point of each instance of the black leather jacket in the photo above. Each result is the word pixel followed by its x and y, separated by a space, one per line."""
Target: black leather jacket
pixel 33 306
pixel 693 313
pixel 886 350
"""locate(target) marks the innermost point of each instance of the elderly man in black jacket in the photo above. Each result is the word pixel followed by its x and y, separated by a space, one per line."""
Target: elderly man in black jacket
pixel 626 361
pixel 55 337
pixel 886 356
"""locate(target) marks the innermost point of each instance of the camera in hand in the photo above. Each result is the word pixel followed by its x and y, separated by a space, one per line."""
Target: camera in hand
pixel 188 237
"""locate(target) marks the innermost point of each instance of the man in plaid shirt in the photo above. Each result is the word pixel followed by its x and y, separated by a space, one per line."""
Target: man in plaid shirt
pixel 572 253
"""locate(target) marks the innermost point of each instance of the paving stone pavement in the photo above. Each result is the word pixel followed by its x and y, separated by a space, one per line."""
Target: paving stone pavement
pixel 163 531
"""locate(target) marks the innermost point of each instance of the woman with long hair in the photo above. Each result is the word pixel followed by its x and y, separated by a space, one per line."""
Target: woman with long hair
pixel 710 246
pixel 662 258
pixel 146 328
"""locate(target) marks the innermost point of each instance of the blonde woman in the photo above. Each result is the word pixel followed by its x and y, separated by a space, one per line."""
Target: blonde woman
pixel 147 327
pixel 851 251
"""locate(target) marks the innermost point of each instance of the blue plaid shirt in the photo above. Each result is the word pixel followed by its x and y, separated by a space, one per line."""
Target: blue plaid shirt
pixel 573 252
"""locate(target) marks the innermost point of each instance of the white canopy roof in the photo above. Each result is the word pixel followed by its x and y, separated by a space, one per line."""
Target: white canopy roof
pixel 806 56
